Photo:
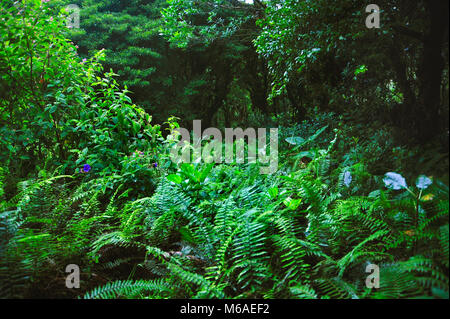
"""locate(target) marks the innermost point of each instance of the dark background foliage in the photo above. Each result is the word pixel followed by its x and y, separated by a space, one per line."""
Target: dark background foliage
pixel 87 123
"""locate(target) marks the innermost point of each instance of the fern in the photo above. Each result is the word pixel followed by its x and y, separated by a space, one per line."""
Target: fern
pixel 130 289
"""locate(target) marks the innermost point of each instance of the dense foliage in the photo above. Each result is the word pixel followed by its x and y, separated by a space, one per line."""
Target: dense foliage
pixel 86 176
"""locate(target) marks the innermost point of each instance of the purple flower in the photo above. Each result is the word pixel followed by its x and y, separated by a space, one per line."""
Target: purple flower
pixel 155 165
pixel 86 168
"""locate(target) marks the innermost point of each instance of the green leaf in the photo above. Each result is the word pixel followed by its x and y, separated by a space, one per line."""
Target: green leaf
pixel 291 203
pixel 273 192
pixel 136 127
pixel 295 140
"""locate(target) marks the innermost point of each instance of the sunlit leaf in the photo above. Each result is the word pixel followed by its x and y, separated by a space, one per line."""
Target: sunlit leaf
pixel 295 140
pixel 423 182
pixel 175 178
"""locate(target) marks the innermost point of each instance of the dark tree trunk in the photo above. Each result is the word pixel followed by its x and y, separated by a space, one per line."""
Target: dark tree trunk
pixel 221 89
pixel 403 114
pixel 294 95
pixel 258 96
pixel 422 106
pixel 256 78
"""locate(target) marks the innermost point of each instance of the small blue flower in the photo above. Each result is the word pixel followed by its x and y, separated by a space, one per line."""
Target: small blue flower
pixel 86 168
pixel 347 178
pixel 155 165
